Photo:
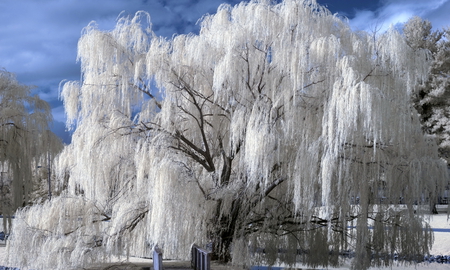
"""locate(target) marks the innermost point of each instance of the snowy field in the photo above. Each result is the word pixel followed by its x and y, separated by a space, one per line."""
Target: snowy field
pixel 441 246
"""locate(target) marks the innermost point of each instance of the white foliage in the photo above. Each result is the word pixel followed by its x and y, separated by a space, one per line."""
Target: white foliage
pixel 432 95
pixel 275 120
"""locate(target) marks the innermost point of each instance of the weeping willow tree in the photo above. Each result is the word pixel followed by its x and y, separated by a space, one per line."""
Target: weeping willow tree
pixel 25 141
pixel 276 129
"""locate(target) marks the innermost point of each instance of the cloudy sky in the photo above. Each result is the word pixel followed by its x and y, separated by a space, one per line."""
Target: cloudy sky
pixel 38 39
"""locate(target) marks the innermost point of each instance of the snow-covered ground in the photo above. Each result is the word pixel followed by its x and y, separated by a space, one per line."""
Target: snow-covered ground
pixel 441 246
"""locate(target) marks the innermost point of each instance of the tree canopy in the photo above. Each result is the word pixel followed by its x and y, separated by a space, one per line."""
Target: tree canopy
pixel 431 97
pixel 24 140
pixel 277 127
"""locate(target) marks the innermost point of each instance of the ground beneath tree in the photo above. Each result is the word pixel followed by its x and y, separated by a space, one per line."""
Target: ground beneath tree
pixel 440 223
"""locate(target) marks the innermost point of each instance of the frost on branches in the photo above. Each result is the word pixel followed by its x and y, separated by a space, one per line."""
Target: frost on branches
pixel 431 98
pixel 276 127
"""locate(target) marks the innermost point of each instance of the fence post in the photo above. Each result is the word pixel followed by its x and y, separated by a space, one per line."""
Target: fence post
pixel 157 259
pixel 193 257
pixel 200 258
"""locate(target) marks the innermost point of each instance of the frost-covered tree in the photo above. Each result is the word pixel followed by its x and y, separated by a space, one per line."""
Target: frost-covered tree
pixel 276 127
pixel 24 140
pixel 432 97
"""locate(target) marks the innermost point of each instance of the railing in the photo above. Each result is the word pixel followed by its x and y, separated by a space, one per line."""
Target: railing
pixel 157 259
pixel 200 258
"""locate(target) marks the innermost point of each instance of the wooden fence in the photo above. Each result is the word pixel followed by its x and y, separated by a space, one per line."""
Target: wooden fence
pixel 200 258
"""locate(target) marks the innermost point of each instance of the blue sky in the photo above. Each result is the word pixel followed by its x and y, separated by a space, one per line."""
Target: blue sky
pixel 38 39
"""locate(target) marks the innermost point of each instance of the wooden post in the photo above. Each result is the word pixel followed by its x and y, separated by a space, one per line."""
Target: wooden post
pixel 200 258
pixel 157 259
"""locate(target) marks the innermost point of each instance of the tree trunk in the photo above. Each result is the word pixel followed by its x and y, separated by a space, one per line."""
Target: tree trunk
pixel 223 231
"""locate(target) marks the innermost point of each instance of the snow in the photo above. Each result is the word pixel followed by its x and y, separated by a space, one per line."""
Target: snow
pixel 441 246
pixel 441 239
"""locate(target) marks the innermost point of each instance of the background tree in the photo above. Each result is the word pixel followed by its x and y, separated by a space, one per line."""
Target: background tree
pixel 275 127
pixel 24 139
pixel 432 96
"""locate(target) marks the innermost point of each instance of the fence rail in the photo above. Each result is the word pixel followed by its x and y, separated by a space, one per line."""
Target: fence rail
pixel 200 258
